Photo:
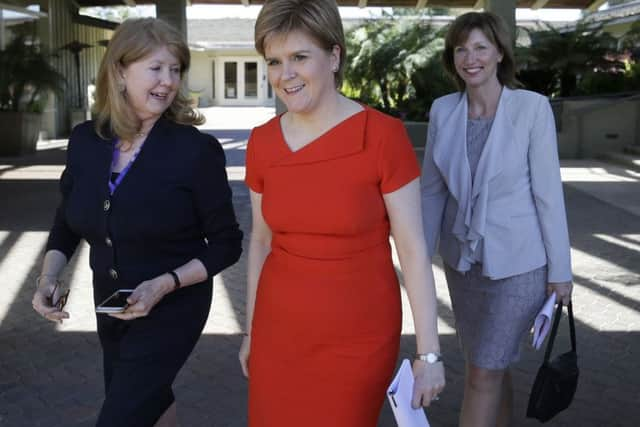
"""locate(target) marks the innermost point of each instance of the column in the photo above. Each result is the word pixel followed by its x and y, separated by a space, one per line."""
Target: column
pixel 174 12
pixel 506 9
pixel 1 29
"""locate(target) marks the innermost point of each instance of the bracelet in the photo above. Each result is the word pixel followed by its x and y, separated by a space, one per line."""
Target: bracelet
pixel 176 280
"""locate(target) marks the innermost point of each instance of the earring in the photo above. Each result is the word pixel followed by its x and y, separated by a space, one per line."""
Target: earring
pixel 335 69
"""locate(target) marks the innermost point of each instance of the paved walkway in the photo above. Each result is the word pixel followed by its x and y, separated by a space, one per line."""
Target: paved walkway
pixel 50 375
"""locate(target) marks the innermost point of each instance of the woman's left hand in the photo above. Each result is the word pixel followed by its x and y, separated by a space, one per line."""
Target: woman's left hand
pixel 563 291
pixel 429 382
pixel 145 296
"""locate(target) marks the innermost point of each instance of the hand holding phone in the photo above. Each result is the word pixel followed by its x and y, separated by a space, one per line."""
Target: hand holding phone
pixel 129 304
pixel 116 303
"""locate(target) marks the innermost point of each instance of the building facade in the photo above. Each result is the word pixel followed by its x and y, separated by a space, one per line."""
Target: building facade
pixel 226 70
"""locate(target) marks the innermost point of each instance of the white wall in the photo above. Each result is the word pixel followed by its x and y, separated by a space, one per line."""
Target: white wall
pixel 592 127
pixel 200 74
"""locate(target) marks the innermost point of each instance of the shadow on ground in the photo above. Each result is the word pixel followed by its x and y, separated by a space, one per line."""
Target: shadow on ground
pixel 52 378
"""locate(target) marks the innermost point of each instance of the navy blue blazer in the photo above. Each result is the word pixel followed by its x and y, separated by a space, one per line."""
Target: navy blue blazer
pixel 173 205
pixel 513 207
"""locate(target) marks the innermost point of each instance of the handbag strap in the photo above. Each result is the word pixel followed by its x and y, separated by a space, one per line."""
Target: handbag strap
pixel 572 328
pixel 554 329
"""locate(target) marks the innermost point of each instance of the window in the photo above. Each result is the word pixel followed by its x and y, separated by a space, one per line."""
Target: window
pixel 251 79
pixel 231 80
pixel 213 78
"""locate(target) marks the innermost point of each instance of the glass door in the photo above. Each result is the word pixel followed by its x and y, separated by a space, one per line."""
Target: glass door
pixel 231 80
pixel 251 79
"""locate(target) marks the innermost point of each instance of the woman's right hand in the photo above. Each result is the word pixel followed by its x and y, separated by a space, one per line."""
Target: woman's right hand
pixel 243 354
pixel 429 382
pixel 47 292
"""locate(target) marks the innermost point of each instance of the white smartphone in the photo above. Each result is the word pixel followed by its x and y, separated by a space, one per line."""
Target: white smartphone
pixel 116 303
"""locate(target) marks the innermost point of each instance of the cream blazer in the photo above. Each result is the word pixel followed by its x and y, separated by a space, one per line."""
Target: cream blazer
pixel 513 208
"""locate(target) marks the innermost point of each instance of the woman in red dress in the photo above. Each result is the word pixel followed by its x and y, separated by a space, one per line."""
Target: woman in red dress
pixel 330 180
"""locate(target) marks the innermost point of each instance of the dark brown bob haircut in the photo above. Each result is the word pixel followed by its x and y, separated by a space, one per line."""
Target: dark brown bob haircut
pixel 494 29
pixel 319 19
pixel 132 41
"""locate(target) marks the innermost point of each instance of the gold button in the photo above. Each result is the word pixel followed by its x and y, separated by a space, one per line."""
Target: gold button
pixel 107 205
pixel 113 273
pixel 108 242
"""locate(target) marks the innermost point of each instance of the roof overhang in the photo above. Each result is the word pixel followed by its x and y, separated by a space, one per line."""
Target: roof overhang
pixel 563 4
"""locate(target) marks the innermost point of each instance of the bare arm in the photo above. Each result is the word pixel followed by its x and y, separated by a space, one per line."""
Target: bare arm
pixel 259 248
pixel 434 190
pixel 404 210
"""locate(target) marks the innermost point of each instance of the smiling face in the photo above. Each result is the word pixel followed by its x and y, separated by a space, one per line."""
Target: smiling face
pixel 152 83
pixel 301 71
pixel 476 60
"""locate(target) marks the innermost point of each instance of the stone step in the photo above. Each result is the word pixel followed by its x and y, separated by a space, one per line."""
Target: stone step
pixel 631 161
pixel 634 150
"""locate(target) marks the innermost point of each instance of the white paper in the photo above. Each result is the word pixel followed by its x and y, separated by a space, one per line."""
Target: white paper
pixel 400 393
pixel 542 324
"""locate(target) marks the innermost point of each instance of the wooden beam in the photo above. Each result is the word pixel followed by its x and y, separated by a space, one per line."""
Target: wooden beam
pixel 539 4
pixel 362 4
pixel 479 4
pixel 94 22
pixel 595 5
pixel 23 10
pixel 421 3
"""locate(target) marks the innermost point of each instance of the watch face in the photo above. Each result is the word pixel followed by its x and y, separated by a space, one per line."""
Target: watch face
pixel 432 358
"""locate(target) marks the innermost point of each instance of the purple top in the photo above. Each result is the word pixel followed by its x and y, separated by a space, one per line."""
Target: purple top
pixel 120 176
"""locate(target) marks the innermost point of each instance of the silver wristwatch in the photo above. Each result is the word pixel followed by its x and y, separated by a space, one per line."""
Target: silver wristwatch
pixel 430 358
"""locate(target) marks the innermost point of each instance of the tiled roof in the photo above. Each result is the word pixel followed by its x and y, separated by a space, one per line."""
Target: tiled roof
pixel 615 12
pixel 237 33
pixel 229 32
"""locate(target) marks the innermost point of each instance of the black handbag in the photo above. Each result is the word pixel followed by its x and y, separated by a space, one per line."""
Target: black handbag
pixel 557 380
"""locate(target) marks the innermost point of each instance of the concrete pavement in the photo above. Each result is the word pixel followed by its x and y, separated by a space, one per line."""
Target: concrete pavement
pixel 50 375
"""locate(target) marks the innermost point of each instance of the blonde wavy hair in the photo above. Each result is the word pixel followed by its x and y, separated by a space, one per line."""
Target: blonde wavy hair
pixel 132 41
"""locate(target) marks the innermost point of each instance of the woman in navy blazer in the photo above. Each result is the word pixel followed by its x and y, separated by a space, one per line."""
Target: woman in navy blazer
pixel 149 193
pixel 492 196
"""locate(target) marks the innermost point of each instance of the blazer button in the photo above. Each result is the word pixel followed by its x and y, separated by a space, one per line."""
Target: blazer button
pixel 108 242
pixel 106 205
pixel 113 273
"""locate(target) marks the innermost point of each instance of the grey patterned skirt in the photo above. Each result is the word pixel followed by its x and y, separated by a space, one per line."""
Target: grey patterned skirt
pixel 494 316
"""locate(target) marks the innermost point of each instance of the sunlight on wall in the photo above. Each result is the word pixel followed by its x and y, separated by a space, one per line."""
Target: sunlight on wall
pixel 80 305
pixel 16 266
pixel 40 172
pixel 222 318
pixel 598 174
pixel 629 241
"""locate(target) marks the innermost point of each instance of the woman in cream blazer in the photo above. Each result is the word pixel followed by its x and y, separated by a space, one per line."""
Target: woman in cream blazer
pixel 492 197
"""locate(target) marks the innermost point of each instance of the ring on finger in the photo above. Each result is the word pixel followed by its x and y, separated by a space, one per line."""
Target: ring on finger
pixel 436 397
